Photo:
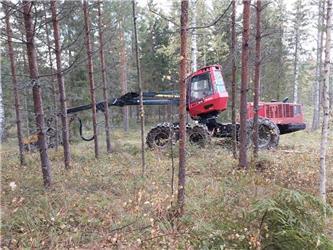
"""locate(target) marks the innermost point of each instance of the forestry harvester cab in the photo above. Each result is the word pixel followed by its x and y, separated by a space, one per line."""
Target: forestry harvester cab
pixel 206 98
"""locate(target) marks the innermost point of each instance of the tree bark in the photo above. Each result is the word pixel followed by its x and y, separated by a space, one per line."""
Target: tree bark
pixel 325 103
pixel 105 88
pixel 323 20
pixel 15 89
pixel 61 86
pixel 194 48
pixel 26 93
pixel 138 69
pixel 257 80
pixel 54 109
pixel 90 73
pixel 244 85
pixel 36 92
pixel 123 76
pixel 233 79
pixel 182 105
pixel 2 116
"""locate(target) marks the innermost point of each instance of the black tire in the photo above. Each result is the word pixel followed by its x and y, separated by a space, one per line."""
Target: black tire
pixel 269 133
pixel 198 135
pixel 160 136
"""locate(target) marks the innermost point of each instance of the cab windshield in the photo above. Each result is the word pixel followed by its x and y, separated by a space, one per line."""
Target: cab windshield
pixel 200 87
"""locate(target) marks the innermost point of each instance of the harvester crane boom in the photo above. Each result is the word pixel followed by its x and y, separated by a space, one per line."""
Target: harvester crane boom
pixel 133 99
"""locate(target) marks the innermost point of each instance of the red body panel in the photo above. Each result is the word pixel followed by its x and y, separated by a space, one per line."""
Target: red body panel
pixel 278 112
pixel 216 102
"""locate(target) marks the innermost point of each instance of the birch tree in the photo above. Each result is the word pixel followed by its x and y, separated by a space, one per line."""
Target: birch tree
pixel 296 57
pixel 299 32
pixel 325 102
pixel 319 49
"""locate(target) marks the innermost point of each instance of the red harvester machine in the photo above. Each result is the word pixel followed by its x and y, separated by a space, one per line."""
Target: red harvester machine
pixel 206 98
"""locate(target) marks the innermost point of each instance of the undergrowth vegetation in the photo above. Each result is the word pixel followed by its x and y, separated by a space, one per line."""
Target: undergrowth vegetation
pixel 106 202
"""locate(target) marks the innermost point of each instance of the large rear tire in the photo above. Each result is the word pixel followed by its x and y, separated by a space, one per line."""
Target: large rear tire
pixel 269 133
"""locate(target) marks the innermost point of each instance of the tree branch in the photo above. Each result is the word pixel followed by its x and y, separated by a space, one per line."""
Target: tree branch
pixel 214 22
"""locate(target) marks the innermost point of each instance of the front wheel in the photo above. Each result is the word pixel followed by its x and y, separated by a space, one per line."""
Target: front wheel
pixel 198 135
pixel 160 136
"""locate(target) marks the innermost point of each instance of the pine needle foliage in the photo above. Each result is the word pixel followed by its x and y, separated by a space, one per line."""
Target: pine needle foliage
pixel 292 220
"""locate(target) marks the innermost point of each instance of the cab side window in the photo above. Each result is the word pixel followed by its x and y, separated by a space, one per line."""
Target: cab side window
pixel 219 83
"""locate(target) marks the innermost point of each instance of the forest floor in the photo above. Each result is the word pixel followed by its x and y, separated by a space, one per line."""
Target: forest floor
pixel 106 202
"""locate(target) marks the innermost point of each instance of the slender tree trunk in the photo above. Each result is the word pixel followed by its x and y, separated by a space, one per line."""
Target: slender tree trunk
pixel 182 104
pixel 281 61
pixel 26 93
pixel 26 107
pixel 316 87
pixel 194 48
pixel 323 20
pixel 138 69
pixel 123 76
pixel 244 86
pixel 54 109
pixel 2 116
pixel 233 79
pixel 257 80
pixel 296 63
pixel 15 90
pixel 325 103
pixel 90 68
pixel 205 51
pixel 36 92
pixel 61 86
pixel 105 88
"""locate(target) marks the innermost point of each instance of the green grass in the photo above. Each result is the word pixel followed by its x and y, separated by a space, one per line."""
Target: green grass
pixel 106 202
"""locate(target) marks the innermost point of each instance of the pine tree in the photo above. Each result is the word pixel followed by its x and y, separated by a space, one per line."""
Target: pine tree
pixel 244 85
pixel 257 79
pixel 123 75
pixel 61 86
pixel 36 91
pixel 182 104
pixel 15 85
pixel 142 122
pixel 54 109
pixel 90 68
pixel 233 78
pixel 103 69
